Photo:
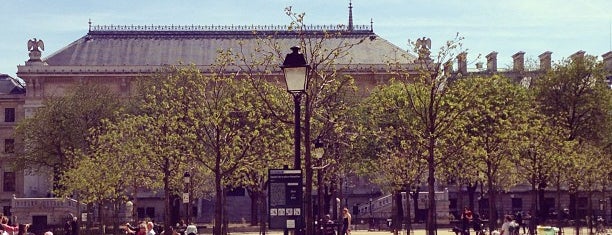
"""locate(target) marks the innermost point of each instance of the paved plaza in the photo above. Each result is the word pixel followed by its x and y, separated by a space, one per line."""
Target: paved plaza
pixel 441 231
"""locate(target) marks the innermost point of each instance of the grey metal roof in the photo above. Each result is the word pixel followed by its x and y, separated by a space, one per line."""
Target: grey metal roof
pixel 9 85
pixel 163 45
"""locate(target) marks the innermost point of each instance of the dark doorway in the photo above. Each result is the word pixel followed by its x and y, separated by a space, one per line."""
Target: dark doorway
pixel 39 224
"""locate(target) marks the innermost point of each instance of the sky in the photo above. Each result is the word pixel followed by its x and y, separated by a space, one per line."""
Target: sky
pixel 505 26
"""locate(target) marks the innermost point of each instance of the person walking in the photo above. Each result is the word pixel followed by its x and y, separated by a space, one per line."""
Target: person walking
pixel 346 222
pixel 505 229
pixel 74 226
pixel 519 220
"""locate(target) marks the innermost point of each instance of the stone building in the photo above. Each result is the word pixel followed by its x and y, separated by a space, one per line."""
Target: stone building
pixel 115 55
pixel 12 99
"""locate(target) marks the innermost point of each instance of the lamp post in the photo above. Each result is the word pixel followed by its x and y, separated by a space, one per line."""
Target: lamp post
pixel 318 154
pixel 371 224
pixel 295 70
pixel 186 180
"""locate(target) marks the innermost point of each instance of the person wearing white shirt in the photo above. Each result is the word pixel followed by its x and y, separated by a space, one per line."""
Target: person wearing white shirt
pixel 191 229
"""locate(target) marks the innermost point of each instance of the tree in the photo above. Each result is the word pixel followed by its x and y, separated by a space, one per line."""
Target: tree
pixel 233 134
pixel 186 117
pixel 494 124
pixel 62 126
pixel 427 100
pixel 328 88
pixel 398 163
pixel 576 100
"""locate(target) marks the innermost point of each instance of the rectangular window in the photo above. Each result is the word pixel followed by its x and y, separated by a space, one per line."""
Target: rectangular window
pixel 151 212
pixel 141 212
pixel 9 115
pixel 9 146
pixel 517 204
pixel 583 202
pixel 9 181
pixel 6 210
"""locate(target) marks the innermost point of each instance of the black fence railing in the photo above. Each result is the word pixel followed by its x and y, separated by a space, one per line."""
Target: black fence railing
pixel 196 28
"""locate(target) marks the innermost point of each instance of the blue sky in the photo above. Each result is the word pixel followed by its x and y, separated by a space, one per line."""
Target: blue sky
pixel 533 26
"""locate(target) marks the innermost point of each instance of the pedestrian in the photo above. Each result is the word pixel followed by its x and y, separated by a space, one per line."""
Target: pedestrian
pixel 23 229
pixel 328 225
pixel 505 229
pixel 7 228
pixel 129 229
pixel 150 230
pixel 346 222
pixel 519 220
pixel 74 225
pixel 142 229
pixel 532 223
pixel 477 224
pixel 466 220
pixel 68 224
pixel 191 229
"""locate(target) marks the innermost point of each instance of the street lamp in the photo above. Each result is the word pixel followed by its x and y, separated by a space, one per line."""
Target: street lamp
pixel 295 70
pixel 371 224
pixel 186 180
pixel 317 153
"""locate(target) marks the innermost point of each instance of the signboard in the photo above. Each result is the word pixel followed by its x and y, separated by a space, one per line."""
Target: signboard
pixel 285 199
pixel 185 197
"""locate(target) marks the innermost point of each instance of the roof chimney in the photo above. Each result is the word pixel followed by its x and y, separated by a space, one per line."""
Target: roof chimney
pixel 492 61
pixel 519 61
pixel 350 23
pixel 462 63
pixel 545 61
pixel 578 55
pixel 607 60
pixel 448 68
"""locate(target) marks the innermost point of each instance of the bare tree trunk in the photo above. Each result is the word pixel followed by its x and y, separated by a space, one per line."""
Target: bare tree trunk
pixel 218 206
pixel 431 183
pixel 492 207
pixel 408 209
pixel 471 190
pixel 254 195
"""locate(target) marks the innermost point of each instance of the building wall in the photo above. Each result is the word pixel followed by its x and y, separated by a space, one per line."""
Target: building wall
pixel 12 182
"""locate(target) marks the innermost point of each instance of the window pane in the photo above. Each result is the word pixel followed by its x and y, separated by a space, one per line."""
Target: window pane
pixel 9 115
pixel 9 146
pixel 9 181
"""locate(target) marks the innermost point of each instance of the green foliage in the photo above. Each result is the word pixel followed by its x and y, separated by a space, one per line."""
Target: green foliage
pixel 63 126
pixel 495 124
pixel 575 97
pixel 576 102
pixel 398 158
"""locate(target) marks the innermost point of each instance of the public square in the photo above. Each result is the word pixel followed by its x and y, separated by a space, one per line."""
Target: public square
pixel 441 231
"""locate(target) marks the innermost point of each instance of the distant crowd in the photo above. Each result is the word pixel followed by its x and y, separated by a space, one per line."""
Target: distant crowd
pixel 514 224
